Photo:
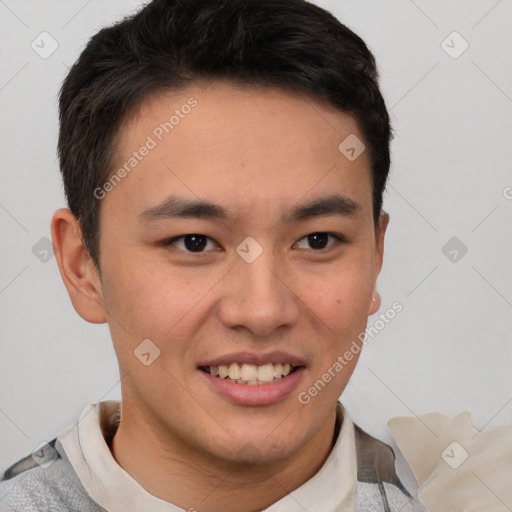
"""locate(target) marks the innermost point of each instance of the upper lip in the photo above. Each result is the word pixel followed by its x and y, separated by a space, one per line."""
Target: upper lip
pixel 257 358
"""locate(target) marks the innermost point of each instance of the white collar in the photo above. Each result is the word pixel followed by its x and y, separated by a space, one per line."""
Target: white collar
pixel 331 489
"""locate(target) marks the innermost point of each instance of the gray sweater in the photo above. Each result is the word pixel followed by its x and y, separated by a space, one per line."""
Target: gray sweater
pixel 45 481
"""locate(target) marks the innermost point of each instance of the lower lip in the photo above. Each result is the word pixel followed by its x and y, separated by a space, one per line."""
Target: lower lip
pixel 260 394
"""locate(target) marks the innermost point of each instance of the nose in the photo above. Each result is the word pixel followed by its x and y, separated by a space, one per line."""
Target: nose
pixel 258 298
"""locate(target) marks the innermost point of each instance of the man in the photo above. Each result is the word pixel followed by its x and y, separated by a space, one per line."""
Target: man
pixel 224 163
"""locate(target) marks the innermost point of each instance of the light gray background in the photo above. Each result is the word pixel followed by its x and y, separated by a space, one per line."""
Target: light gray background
pixel 449 350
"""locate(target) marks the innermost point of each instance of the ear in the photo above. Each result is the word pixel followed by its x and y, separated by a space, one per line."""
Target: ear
pixel 379 258
pixel 76 267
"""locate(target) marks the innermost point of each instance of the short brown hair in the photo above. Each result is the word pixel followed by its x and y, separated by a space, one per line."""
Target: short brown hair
pixel 169 44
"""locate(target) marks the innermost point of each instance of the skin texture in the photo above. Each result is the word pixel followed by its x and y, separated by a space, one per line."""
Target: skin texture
pixel 258 152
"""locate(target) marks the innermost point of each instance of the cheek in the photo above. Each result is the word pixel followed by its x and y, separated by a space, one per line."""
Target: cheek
pixel 340 297
pixel 146 304
pixel 151 304
pixel 155 300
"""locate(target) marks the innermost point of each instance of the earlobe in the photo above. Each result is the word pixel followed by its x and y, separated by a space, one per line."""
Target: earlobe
pixel 76 268
pixel 374 303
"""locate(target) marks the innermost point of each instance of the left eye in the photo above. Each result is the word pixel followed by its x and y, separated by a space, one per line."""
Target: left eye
pixel 318 240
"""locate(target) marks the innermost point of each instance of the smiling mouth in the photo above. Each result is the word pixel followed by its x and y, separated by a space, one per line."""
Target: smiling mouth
pixel 251 374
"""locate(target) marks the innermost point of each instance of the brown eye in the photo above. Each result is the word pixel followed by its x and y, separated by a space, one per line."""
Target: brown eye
pixel 193 243
pixel 318 241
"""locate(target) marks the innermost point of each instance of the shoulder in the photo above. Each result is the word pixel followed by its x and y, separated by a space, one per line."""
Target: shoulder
pixel 377 480
pixel 44 480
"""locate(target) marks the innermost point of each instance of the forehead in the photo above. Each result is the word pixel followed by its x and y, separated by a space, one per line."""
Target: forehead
pixel 256 146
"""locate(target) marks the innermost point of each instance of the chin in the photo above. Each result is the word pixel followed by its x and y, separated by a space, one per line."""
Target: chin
pixel 257 450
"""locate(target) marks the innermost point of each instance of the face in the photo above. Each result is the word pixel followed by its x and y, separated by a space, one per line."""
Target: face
pixel 276 265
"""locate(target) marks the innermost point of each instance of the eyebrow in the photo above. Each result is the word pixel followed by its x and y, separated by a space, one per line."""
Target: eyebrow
pixel 174 207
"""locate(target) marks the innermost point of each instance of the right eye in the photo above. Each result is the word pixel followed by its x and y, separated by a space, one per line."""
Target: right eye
pixel 192 243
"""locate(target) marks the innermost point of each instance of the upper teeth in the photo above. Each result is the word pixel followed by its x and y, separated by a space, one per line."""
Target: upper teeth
pixel 251 372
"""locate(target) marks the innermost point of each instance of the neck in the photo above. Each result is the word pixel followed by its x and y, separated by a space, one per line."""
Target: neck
pixel 176 473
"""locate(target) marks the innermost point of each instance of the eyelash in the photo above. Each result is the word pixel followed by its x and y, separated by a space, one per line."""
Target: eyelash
pixel 339 239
